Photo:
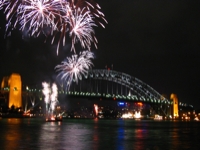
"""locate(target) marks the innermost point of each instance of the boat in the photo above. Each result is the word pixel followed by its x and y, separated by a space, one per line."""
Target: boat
pixel 158 117
pixel 54 119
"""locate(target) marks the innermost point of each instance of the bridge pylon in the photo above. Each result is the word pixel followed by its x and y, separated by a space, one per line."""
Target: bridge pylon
pixel 175 105
pixel 15 89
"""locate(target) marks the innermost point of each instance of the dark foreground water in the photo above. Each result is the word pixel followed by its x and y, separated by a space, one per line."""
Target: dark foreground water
pixel 88 134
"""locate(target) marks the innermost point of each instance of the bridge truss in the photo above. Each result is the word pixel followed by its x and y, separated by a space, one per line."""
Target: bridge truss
pixel 110 84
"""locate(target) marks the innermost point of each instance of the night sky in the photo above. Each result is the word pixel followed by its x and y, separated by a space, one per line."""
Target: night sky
pixel 155 41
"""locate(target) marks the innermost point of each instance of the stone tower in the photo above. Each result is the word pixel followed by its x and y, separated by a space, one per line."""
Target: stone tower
pixel 4 82
pixel 175 105
pixel 15 93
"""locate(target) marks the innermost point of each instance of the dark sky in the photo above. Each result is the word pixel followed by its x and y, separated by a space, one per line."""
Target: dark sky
pixel 155 41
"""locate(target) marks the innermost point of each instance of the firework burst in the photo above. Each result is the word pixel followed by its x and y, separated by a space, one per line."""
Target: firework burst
pixel 81 24
pixel 11 7
pixel 37 14
pixel 73 68
pixel 73 18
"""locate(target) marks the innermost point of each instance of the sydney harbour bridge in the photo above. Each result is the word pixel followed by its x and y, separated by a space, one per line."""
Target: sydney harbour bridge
pixel 114 85
pixel 111 85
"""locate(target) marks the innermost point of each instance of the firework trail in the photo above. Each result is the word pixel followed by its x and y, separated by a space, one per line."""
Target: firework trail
pixel 73 68
pixel 46 91
pixel 54 92
pixel 54 95
pixel 11 8
pixel 38 14
pixel 81 24
pixel 62 18
pixel 50 96
pixel 32 101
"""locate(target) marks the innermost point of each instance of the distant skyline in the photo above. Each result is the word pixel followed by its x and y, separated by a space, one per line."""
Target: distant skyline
pixel 154 41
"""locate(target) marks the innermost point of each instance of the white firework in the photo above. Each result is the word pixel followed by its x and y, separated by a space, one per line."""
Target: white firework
pixel 54 95
pixel 46 91
pixel 50 97
pixel 55 17
pixel 81 22
pixel 73 68
pixel 38 14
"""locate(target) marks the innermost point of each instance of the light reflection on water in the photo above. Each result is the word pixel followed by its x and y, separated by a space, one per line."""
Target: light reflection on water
pixel 86 134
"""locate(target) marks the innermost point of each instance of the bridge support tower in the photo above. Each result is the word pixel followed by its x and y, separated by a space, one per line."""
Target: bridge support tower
pixel 15 94
pixel 175 105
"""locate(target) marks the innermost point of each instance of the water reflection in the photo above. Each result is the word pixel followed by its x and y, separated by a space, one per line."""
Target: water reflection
pixel 120 136
pixel 95 138
pixel 12 134
pixel 130 135
pixel 77 134
pixel 50 135
pixel 55 136
pixel 139 138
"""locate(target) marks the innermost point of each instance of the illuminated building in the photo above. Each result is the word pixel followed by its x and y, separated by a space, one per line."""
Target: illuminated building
pixel 175 105
pixel 15 86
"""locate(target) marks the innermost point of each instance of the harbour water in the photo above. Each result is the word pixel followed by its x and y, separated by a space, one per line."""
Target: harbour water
pixel 98 134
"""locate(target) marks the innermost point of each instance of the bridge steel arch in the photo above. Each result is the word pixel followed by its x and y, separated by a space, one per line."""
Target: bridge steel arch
pixel 102 83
